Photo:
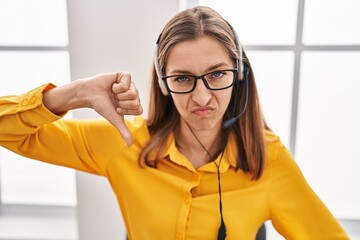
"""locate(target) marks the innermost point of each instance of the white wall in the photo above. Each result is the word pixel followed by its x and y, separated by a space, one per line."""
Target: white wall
pixel 104 36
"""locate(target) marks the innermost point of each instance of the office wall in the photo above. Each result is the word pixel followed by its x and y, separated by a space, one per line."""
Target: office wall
pixel 105 36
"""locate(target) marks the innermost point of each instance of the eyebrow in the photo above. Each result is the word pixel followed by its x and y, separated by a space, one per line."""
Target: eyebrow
pixel 216 66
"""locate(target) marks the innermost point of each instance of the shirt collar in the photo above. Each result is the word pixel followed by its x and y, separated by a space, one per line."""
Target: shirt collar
pixel 226 161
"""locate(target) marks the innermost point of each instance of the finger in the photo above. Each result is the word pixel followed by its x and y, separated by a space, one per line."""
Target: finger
pixel 137 111
pixel 119 123
pixel 129 104
pixel 131 94
pixel 123 82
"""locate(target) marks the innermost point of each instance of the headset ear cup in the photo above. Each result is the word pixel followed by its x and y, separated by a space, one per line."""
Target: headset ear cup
pixel 241 72
pixel 240 67
pixel 158 71
pixel 163 87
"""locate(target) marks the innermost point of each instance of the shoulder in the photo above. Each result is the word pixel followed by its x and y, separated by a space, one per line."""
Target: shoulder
pixel 137 125
pixel 139 129
pixel 273 145
pixel 280 167
pixel 276 152
pixel 280 163
pixel 100 128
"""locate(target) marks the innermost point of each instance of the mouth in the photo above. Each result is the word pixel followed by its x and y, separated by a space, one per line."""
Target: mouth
pixel 202 111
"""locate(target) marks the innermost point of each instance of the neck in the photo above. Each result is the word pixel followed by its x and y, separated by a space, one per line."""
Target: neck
pixel 197 144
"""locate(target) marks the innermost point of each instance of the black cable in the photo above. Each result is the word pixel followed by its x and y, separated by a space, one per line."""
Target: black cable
pixel 222 228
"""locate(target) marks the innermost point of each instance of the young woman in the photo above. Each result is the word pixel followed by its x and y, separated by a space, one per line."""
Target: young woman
pixel 203 165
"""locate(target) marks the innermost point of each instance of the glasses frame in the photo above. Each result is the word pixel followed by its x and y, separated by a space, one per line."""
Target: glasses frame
pixel 202 77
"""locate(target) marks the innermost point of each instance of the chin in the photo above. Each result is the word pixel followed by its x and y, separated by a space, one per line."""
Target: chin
pixel 205 124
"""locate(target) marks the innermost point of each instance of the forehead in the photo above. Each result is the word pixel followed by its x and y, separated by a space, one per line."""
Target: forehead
pixel 197 55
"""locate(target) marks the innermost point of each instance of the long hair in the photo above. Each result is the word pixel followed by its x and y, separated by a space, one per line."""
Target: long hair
pixel 163 118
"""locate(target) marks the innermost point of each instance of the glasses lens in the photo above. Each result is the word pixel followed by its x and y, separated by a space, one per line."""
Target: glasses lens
pixel 181 83
pixel 219 79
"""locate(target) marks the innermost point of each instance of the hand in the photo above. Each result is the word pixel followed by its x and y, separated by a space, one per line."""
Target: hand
pixel 114 95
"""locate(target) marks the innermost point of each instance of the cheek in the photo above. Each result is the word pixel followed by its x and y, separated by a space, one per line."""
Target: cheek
pixel 181 102
pixel 224 98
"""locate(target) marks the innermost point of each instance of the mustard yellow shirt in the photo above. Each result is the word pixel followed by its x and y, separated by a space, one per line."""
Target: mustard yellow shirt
pixel 173 201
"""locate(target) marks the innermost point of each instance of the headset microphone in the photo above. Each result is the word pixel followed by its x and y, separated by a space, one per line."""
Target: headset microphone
pixel 232 120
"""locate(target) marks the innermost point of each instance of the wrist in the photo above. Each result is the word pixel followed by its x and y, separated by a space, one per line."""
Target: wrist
pixel 67 97
pixel 81 97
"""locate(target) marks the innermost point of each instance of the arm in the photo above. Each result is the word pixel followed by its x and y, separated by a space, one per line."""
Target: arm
pixel 29 123
pixel 296 211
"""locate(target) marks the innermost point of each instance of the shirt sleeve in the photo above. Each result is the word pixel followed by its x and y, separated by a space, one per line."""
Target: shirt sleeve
pixel 28 128
pixel 296 211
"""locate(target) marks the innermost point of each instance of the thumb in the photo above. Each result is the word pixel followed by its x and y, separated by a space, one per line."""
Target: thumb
pixel 118 122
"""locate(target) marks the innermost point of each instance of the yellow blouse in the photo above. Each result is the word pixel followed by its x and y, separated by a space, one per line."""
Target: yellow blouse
pixel 173 201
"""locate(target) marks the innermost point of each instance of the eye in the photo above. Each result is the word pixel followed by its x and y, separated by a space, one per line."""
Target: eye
pixel 181 79
pixel 218 74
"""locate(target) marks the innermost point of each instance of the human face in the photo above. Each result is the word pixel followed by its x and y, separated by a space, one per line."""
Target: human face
pixel 202 109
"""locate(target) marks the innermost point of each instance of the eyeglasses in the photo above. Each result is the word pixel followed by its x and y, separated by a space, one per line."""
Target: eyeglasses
pixel 216 80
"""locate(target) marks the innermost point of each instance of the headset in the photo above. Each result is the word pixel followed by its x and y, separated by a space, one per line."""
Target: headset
pixel 162 84
pixel 243 74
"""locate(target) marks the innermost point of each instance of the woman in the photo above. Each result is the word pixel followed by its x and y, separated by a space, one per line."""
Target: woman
pixel 204 165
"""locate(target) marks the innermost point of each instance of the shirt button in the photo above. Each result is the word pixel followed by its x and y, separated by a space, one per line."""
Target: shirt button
pixel 180 236
pixel 25 102
pixel 196 177
pixel 187 200
pixel 33 99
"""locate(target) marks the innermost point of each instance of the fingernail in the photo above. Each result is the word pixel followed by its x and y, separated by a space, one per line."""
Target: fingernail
pixel 129 142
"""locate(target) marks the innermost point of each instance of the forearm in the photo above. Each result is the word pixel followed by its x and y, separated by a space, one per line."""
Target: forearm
pixel 64 98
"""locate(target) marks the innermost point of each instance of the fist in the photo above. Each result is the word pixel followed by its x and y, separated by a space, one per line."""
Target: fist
pixel 114 95
pixel 126 95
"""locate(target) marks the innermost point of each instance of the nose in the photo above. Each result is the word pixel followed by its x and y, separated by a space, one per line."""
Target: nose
pixel 201 95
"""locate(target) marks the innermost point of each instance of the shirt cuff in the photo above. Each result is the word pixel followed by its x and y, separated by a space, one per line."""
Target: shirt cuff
pixel 31 101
